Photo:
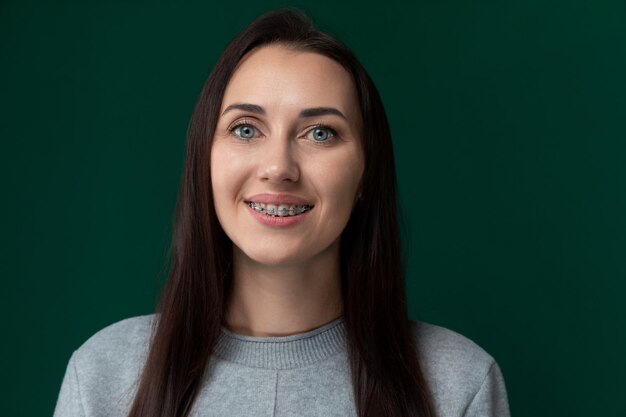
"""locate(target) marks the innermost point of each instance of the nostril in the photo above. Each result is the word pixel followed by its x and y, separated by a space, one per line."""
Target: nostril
pixel 280 173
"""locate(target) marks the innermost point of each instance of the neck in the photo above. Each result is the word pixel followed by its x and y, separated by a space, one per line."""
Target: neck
pixel 281 300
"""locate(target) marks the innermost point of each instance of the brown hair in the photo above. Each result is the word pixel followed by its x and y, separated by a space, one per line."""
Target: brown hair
pixel 386 374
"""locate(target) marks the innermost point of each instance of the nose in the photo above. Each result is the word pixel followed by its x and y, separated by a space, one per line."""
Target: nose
pixel 278 162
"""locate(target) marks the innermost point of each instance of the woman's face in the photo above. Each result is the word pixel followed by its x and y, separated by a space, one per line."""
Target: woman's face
pixel 286 160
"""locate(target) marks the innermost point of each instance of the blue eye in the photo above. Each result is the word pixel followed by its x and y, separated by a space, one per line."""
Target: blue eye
pixel 321 133
pixel 244 131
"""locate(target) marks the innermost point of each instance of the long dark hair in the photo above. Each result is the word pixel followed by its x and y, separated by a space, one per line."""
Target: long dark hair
pixel 386 374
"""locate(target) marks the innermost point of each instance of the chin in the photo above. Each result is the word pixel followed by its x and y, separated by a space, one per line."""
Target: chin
pixel 273 259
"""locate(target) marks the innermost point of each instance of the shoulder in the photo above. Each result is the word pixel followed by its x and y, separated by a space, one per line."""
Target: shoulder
pixel 441 346
pixel 125 339
pixel 114 356
pixel 105 369
pixel 456 369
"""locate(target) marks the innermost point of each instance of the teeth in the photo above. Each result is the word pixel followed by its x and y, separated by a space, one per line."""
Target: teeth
pixel 281 210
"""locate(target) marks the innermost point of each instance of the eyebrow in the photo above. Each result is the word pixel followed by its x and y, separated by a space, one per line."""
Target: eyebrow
pixel 321 111
pixel 252 108
pixel 312 112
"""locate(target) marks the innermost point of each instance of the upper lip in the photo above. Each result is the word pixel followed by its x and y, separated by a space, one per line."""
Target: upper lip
pixel 278 199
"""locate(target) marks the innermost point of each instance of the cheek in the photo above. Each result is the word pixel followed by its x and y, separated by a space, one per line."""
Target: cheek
pixel 224 178
pixel 217 173
pixel 339 182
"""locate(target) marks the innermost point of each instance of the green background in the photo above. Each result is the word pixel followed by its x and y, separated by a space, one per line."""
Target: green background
pixel 509 127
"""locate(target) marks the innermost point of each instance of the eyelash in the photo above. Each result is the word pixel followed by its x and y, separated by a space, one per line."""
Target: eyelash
pixel 239 123
pixel 333 133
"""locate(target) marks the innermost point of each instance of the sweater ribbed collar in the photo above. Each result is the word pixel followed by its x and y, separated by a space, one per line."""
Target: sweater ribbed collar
pixel 283 352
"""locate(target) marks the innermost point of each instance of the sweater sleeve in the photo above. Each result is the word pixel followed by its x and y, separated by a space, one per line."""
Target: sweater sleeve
pixel 69 403
pixel 491 398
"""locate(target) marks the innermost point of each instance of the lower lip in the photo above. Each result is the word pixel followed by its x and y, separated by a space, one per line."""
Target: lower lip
pixel 286 221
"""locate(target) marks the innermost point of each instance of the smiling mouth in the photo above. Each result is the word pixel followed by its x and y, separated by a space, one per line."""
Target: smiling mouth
pixel 279 210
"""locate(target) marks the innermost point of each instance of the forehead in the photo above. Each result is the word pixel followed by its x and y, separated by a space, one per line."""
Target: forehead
pixel 278 77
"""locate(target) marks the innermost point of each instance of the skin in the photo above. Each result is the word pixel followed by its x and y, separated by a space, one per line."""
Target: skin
pixel 286 280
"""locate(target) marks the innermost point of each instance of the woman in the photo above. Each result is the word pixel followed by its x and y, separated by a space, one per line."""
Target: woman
pixel 286 289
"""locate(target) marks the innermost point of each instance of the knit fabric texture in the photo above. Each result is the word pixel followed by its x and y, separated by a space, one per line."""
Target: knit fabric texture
pixel 302 375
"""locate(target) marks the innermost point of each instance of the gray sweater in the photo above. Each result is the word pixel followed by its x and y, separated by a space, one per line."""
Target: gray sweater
pixel 300 375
